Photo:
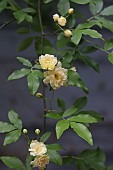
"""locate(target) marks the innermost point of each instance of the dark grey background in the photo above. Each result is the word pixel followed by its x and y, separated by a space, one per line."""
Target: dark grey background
pixel 15 95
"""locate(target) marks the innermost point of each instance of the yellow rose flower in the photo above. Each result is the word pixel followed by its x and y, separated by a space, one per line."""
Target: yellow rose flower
pixel 70 11
pixel 62 21
pixel 47 61
pixel 55 17
pixel 37 148
pixel 67 33
pixel 40 162
pixel 56 77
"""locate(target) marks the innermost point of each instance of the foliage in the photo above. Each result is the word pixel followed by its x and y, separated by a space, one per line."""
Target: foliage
pixel 74 43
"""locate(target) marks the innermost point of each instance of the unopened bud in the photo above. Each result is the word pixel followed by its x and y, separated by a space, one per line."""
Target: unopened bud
pixel 70 11
pixel 62 21
pixel 67 33
pixel 37 131
pixel 25 131
pixel 39 95
pixel 55 17
pixel 73 69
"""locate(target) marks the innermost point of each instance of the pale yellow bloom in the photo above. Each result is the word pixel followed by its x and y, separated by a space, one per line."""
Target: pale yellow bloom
pixel 67 33
pixel 40 162
pixel 70 11
pixel 47 61
pixel 37 148
pixel 56 77
pixel 55 17
pixel 62 21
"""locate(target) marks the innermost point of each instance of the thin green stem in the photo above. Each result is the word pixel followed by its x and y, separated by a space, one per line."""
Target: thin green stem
pixel 42 43
pixel 93 17
pixel 7 23
pixel 51 100
pixel 27 138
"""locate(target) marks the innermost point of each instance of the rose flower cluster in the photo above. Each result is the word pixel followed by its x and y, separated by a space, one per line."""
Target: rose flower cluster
pixel 39 150
pixel 55 75
pixel 61 21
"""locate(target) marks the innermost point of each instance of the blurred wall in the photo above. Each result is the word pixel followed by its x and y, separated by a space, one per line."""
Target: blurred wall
pixel 15 95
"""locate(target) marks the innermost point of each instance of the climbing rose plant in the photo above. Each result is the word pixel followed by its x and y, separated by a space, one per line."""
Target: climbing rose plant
pixel 55 66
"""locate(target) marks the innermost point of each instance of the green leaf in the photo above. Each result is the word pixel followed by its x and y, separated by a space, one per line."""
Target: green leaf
pixel 12 162
pixel 107 11
pixel 108 45
pixel 70 111
pixel 92 33
pixel 28 161
pixel 71 21
pixel 94 159
pixel 45 137
pixel 39 74
pixel 76 36
pixel 29 18
pixel 15 119
pixel 62 40
pixel 19 74
pixel 106 23
pixel 23 31
pixel 68 160
pixel 61 104
pixel 81 165
pixel 25 43
pixel 13 5
pixel 95 6
pixel 67 59
pixel 33 82
pixel 89 24
pixel 12 137
pixel 110 167
pixel 37 66
pixel 47 1
pixel 3 5
pixel 86 117
pixel 81 2
pixel 20 16
pixel 74 80
pixel 88 49
pixel 53 115
pixel 88 61
pixel 54 146
pixel 55 157
pixel 29 10
pixel 110 57
pixel 80 103
pixel 93 154
pixel 61 126
pixel 82 131
pixel 24 61
pixel 63 7
pixel 6 127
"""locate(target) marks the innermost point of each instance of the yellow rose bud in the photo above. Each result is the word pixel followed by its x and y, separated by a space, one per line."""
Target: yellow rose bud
pixel 67 33
pixel 25 131
pixel 70 11
pixel 37 131
pixel 55 17
pixel 62 21
pixel 39 95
